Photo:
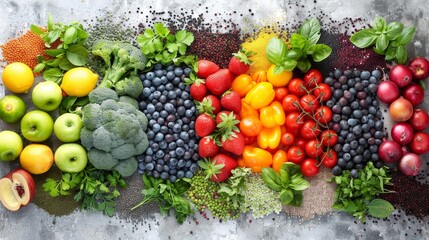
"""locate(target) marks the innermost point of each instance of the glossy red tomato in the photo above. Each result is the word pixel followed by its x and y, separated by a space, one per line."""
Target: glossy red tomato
pixel 309 167
pixel 309 103
pixel 323 92
pixel 300 142
pixel 328 138
pixel 313 148
pixel 309 130
pixel 296 87
pixel 323 114
pixel 294 120
pixel 288 139
pixel 290 103
pixel 281 92
pixel 329 158
pixel 295 154
pixel 312 78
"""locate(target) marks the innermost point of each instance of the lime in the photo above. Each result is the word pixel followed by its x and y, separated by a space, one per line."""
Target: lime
pixel 12 108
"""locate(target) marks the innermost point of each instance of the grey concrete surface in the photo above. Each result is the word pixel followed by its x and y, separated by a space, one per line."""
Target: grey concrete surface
pixel 34 223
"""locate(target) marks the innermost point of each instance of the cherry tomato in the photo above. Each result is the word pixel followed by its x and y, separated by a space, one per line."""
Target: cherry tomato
pixel 328 138
pixel 294 120
pixel 312 78
pixel 279 158
pixel 290 103
pixel 250 126
pixel 250 140
pixel 296 87
pixel 300 142
pixel 313 148
pixel 309 103
pixel 309 167
pixel 323 114
pixel 329 158
pixel 309 130
pixel 323 92
pixel 295 154
pixel 288 139
pixel 281 92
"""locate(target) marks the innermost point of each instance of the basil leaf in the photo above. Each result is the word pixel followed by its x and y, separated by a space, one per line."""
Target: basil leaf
pixel 77 55
pixel 39 67
pixel 393 30
pixel 297 199
pixel 54 52
pixel 278 69
pixel 291 168
pixel 36 29
pixel 364 38
pixel 422 84
pixel 298 41
pixel 53 74
pixel 406 35
pixel 299 183
pixel 310 30
pixel 401 55
pixel 276 50
pixel 380 208
pixel 50 22
pixel 286 196
pixel 382 42
pixel 379 24
pixel 304 65
pixel 289 64
pixel 65 64
pixel 271 178
pixel 319 52
pixel 294 53
pixel 284 177
pixel 70 35
pixel 53 35
pixel 390 52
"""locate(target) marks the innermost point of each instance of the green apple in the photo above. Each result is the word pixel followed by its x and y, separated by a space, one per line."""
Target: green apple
pixel 47 96
pixel 10 145
pixel 67 127
pixel 71 157
pixel 37 126
pixel 12 108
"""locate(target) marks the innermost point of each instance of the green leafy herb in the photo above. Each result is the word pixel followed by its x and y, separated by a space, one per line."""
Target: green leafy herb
pixel 162 46
pixel 358 196
pixel 289 181
pixel 388 39
pixel 231 189
pixel 168 195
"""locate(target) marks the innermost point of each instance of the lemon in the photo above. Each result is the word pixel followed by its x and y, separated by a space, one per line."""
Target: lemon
pixel 36 158
pixel 12 108
pixel 79 82
pixel 17 77
pixel 278 80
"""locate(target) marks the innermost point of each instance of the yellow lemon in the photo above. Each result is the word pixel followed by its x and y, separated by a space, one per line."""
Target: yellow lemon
pixel 79 82
pixel 278 80
pixel 17 77
pixel 36 158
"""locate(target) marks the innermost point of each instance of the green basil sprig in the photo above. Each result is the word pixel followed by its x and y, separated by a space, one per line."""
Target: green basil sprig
pixel 388 39
pixel 303 45
pixel 289 181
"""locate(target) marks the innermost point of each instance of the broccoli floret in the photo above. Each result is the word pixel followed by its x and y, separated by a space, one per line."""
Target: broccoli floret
pixel 129 100
pixel 86 138
pixel 124 151
pixel 131 86
pixel 102 139
pixel 127 167
pixel 141 117
pixel 128 108
pixel 99 94
pixel 101 159
pixel 110 104
pixel 142 145
pixel 91 116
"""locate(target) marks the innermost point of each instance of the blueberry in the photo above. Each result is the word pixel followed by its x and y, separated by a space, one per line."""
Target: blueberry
pixel 159 154
pixel 172 178
pixel 184 135
pixel 376 73
pixel 336 170
pixel 150 166
pixel 181 111
pixel 189 174
pixel 180 174
pixel 164 80
pixel 180 151
pixel 159 137
pixel 176 81
pixel 181 163
pixel 341 162
pixel 347 157
pixel 155 115
pixel 150 75
pixel 346 148
pixel 189 113
pixel 365 75
pixel 163 114
pixel 352 122
pixel 172 162
pixel 146 92
pixel 164 176
pixel 177 128
pixel 178 71
pixel 171 95
pixel 142 105
pixel 170 75
pixel 180 143
pixel 354 173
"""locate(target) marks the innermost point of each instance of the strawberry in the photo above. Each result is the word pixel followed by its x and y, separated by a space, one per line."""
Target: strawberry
pixel 220 117
pixel 207 147
pixel 210 104
pixel 233 142
pixel 240 63
pixel 206 67
pixel 204 125
pixel 219 167
pixel 227 121
pixel 231 100
pixel 220 81
pixel 198 88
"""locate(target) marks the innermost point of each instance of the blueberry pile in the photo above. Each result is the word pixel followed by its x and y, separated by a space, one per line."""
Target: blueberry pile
pixel 356 118
pixel 173 144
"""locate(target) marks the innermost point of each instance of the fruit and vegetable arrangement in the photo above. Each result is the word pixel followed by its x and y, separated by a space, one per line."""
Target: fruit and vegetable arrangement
pixel 243 137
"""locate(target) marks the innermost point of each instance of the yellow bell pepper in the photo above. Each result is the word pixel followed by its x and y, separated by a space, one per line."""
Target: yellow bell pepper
pixel 260 95
pixel 272 115
pixel 269 137
pixel 256 158
pixel 242 84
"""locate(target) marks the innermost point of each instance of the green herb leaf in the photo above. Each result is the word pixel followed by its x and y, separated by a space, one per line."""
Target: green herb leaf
pixel 299 183
pixel 304 65
pixel 380 208
pixel 390 52
pixel 39 67
pixel 401 54
pixel 319 52
pixel 54 52
pixel 298 41
pixel 271 178
pixel 381 43
pixel 276 50
pixel 311 31
pixel 406 35
pixel 161 30
pixel 286 196
pixel 364 38
pixel 394 29
pixel 294 53
pixel 65 64
pixel 288 65
pixel 36 30
pixel 53 74
pixel 77 55
pixel 70 35
pixel 379 24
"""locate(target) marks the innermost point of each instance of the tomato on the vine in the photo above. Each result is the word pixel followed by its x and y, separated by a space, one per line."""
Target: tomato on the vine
pixel 294 120
pixel 281 92
pixel 309 103
pixel 313 148
pixel 328 138
pixel 250 126
pixel 309 130
pixel 296 87
pixel 309 167
pixel 323 92
pixel 300 142
pixel 312 78
pixel 323 114
pixel 290 103
pixel 329 158
pixel 288 139
pixel 295 154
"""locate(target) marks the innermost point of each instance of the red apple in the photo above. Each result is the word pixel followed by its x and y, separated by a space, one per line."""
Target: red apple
pixel 419 67
pixel 414 93
pixel 17 189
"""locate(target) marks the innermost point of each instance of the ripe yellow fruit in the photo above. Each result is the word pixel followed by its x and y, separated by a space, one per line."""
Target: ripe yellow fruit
pixel 79 82
pixel 18 77
pixel 278 80
pixel 36 158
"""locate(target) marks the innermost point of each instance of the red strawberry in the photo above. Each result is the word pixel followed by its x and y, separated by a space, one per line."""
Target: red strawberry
pixel 231 100
pixel 219 167
pixel 204 125
pixel 206 67
pixel 220 81
pixel 240 63
pixel 207 147
pixel 234 142
pixel 222 115
pixel 198 91
pixel 210 105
